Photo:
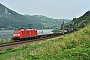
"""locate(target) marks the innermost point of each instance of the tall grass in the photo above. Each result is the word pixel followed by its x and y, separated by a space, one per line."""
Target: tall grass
pixel 71 46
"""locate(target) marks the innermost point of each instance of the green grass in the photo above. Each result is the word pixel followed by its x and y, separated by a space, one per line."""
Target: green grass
pixel 5 41
pixel 74 46
pixel 57 31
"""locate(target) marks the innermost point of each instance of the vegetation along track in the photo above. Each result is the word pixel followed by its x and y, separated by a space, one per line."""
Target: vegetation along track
pixel 8 45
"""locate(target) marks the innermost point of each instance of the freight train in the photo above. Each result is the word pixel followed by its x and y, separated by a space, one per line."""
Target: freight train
pixel 23 34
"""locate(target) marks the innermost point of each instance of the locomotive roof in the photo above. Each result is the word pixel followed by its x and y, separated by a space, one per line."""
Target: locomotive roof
pixel 25 29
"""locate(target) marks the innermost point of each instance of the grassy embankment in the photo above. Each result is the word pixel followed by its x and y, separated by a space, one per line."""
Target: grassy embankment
pixel 74 46
pixel 6 41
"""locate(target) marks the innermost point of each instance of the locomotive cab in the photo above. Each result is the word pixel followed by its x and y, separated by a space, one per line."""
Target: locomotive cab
pixel 24 34
pixel 16 34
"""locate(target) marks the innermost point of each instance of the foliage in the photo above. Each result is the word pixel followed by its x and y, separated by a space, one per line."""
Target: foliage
pixel 56 31
pixel 80 22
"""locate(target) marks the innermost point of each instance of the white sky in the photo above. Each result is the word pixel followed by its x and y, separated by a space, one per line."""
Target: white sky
pixel 63 9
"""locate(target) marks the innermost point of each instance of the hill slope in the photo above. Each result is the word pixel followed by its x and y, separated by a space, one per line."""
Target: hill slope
pixel 10 20
pixel 74 46
pixel 81 21
pixel 46 22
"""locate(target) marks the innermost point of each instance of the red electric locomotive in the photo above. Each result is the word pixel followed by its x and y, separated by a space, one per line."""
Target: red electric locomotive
pixel 24 33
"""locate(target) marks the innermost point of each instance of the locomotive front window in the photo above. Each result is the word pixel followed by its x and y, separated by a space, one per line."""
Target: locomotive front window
pixel 16 32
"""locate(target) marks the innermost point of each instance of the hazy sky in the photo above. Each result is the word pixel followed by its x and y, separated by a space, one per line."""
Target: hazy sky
pixel 67 9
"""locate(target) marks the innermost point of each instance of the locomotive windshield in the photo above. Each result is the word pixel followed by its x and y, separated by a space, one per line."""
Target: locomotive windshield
pixel 16 32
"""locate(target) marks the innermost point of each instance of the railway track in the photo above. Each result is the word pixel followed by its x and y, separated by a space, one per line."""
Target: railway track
pixel 4 46
pixel 39 38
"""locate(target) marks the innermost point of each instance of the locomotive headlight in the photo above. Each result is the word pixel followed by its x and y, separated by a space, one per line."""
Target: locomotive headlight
pixel 13 34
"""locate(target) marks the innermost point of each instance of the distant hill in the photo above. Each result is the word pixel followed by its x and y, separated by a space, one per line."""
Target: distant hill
pixel 10 19
pixel 80 22
pixel 46 22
